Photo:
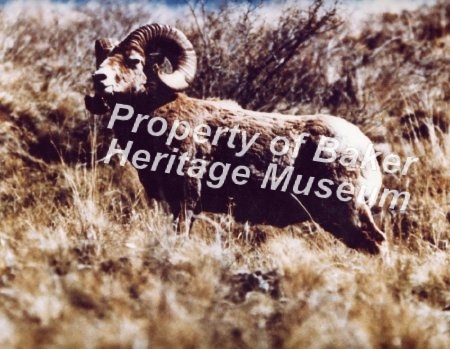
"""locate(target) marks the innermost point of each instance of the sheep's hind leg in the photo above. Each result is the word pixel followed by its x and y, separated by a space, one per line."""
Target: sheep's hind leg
pixel 352 223
pixel 361 232
pixel 185 220
pixel 371 229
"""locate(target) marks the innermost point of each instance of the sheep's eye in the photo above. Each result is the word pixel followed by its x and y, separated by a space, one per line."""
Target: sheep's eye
pixel 132 61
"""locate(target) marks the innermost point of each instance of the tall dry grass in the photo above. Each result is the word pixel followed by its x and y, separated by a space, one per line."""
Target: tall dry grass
pixel 86 261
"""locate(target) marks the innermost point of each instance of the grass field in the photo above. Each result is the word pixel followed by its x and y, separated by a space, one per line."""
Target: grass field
pixel 87 262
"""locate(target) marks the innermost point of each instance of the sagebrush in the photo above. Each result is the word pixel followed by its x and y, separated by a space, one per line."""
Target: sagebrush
pixel 87 261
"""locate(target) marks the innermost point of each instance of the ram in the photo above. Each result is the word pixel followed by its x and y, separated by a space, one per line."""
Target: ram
pixel 134 72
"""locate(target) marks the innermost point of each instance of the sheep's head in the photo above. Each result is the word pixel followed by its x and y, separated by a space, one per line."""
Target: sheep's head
pixel 135 66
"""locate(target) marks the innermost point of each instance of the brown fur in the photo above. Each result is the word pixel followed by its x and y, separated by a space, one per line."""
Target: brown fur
pixel 351 221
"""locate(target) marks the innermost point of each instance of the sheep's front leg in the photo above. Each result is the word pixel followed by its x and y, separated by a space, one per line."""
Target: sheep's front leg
pixel 189 205
pixel 185 220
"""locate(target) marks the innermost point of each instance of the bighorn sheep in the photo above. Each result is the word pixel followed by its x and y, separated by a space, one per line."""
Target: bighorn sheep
pixel 130 73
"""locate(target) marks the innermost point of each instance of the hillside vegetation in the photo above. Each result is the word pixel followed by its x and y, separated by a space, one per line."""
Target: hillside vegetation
pixel 87 262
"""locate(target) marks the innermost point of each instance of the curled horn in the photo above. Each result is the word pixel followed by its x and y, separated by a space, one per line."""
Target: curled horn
pixel 102 48
pixel 174 45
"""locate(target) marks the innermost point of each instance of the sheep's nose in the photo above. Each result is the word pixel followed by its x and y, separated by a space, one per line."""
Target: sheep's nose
pixel 99 77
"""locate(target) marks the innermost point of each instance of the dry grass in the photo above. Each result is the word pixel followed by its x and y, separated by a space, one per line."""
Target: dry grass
pixel 86 262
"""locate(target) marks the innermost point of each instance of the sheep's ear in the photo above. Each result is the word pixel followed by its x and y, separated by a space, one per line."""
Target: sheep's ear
pixel 166 67
pixel 159 63
pixel 102 49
